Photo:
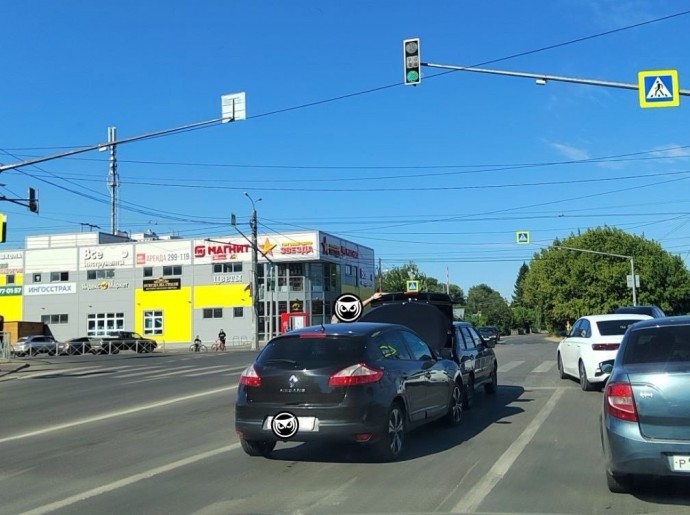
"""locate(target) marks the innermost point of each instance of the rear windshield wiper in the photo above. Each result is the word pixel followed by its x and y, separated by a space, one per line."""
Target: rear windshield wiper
pixel 281 360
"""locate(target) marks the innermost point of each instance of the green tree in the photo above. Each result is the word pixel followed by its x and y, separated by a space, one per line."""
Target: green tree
pixel 486 306
pixel 518 290
pixel 564 284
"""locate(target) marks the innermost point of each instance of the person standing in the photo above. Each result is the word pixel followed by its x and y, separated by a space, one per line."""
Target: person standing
pixel 221 337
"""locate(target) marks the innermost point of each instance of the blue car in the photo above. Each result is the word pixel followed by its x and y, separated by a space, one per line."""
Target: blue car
pixel 645 420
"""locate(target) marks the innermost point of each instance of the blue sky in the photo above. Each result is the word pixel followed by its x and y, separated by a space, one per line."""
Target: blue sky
pixel 442 174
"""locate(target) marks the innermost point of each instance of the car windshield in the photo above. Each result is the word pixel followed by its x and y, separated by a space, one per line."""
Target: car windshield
pixel 614 327
pixel 313 352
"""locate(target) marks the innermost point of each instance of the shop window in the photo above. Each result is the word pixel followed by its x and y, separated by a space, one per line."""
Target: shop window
pixel 172 270
pixel 54 319
pixel 296 283
pixel 238 312
pixel 317 307
pixel 9 279
pixel 56 277
pixel 148 271
pixel 213 313
pixel 153 322
pixel 100 324
pixel 296 269
pixel 100 274
pixel 282 306
pixel 227 268
pixel 37 278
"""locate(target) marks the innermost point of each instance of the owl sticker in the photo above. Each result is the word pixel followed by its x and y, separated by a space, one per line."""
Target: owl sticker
pixel 348 307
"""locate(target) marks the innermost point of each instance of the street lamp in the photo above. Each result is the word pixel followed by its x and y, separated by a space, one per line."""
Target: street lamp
pixel 255 269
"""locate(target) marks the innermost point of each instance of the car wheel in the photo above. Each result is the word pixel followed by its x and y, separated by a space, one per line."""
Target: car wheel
pixel 492 385
pixel 390 446
pixel 561 372
pixel 617 483
pixel 584 383
pixel 454 415
pixel 468 398
pixel 257 447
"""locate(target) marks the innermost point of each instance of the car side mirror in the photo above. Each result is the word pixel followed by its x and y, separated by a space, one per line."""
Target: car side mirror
pixel 606 366
pixel 446 353
pixel 489 343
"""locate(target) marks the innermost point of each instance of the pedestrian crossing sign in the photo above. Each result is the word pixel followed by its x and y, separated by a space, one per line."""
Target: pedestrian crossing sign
pixel 412 286
pixel 658 88
pixel 522 237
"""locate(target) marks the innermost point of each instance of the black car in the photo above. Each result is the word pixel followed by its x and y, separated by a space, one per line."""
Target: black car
pixel 490 332
pixel 651 310
pixel 430 315
pixel 361 382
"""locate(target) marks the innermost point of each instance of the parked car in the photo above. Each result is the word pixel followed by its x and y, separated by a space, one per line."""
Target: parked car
pixel 645 418
pixel 651 310
pixel 592 340
pixel 32 345
pixel 127 340
pixel 74 346
pixel 361 382
pixel 430 316
pixel 490 332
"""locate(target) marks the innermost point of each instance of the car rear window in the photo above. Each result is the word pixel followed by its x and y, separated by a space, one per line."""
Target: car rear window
pixel 313 352
pixel 658 345
pixel 614 327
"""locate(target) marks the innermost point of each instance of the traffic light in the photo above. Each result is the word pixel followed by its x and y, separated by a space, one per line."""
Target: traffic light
pixel 412 62
pixel 3 228
pixel 33 201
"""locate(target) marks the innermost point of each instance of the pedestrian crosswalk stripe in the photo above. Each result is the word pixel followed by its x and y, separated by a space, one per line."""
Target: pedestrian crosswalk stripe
pixel 509 366
pixel 544 367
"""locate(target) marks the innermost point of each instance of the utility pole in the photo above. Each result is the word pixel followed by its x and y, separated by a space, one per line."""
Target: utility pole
pixel 255 269
pixel 113 179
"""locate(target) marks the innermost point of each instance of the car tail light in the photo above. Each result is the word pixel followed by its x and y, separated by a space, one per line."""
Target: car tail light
pixel 605 346
pixel 355 375
pixel 620 402
pixel 249 377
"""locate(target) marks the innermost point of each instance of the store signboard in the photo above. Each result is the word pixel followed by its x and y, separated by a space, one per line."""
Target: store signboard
pixel 161 284
pixel 12 262
pixel 106 257
pixel 163 253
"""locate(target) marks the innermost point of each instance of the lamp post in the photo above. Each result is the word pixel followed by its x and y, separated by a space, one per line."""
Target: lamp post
pixel 255 269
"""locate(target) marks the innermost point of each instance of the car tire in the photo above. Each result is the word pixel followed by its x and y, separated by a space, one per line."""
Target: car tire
pixel 258 447
pixel 561 372
pixel 584 382
pixel 454 415
pixel 468 395
pixel 618 483
pixel 392 441
pixel 492 385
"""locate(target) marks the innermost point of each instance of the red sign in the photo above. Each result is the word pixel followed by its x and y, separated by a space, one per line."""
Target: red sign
pixel 220 251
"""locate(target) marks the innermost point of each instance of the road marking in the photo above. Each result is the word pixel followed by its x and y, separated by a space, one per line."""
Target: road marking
pixel 544 367
pixel 509 366
pixel 179 370
pixel 186 373
pixel 209 370
pixel 47 508
pixel 72 370
pixel 471 501
pixel 114 414
pixel 141 371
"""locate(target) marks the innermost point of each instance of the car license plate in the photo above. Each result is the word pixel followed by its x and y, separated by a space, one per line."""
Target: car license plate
pixel 305 423
pixel 681 463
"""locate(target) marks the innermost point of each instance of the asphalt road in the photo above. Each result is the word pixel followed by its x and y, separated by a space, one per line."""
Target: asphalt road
pixel 154 434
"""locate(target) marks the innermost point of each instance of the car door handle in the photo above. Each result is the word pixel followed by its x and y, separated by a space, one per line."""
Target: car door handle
pixel 428 375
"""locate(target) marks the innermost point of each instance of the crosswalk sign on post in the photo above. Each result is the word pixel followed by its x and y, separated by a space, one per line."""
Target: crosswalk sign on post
pixel 522 237
pixel 658 88
pixel 412 286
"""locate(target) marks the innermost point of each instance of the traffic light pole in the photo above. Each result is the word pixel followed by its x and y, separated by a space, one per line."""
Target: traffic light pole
pixel 541 78
pixel 255 269
pixel 632 264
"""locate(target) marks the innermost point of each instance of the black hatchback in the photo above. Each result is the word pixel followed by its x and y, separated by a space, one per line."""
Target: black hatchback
pixel 361 382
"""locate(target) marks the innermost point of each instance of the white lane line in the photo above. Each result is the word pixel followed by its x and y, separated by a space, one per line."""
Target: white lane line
pixel 114 414
pixel 471 501
pixel 47 508
pixel 223 368
pixel 141 371
pixel 544 367
pixel 509 366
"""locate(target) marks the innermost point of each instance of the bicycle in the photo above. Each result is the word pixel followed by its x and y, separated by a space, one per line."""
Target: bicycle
pixel 218 345
pixel 201 347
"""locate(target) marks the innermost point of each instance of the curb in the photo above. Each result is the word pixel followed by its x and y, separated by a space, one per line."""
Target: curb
pixel 6 370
